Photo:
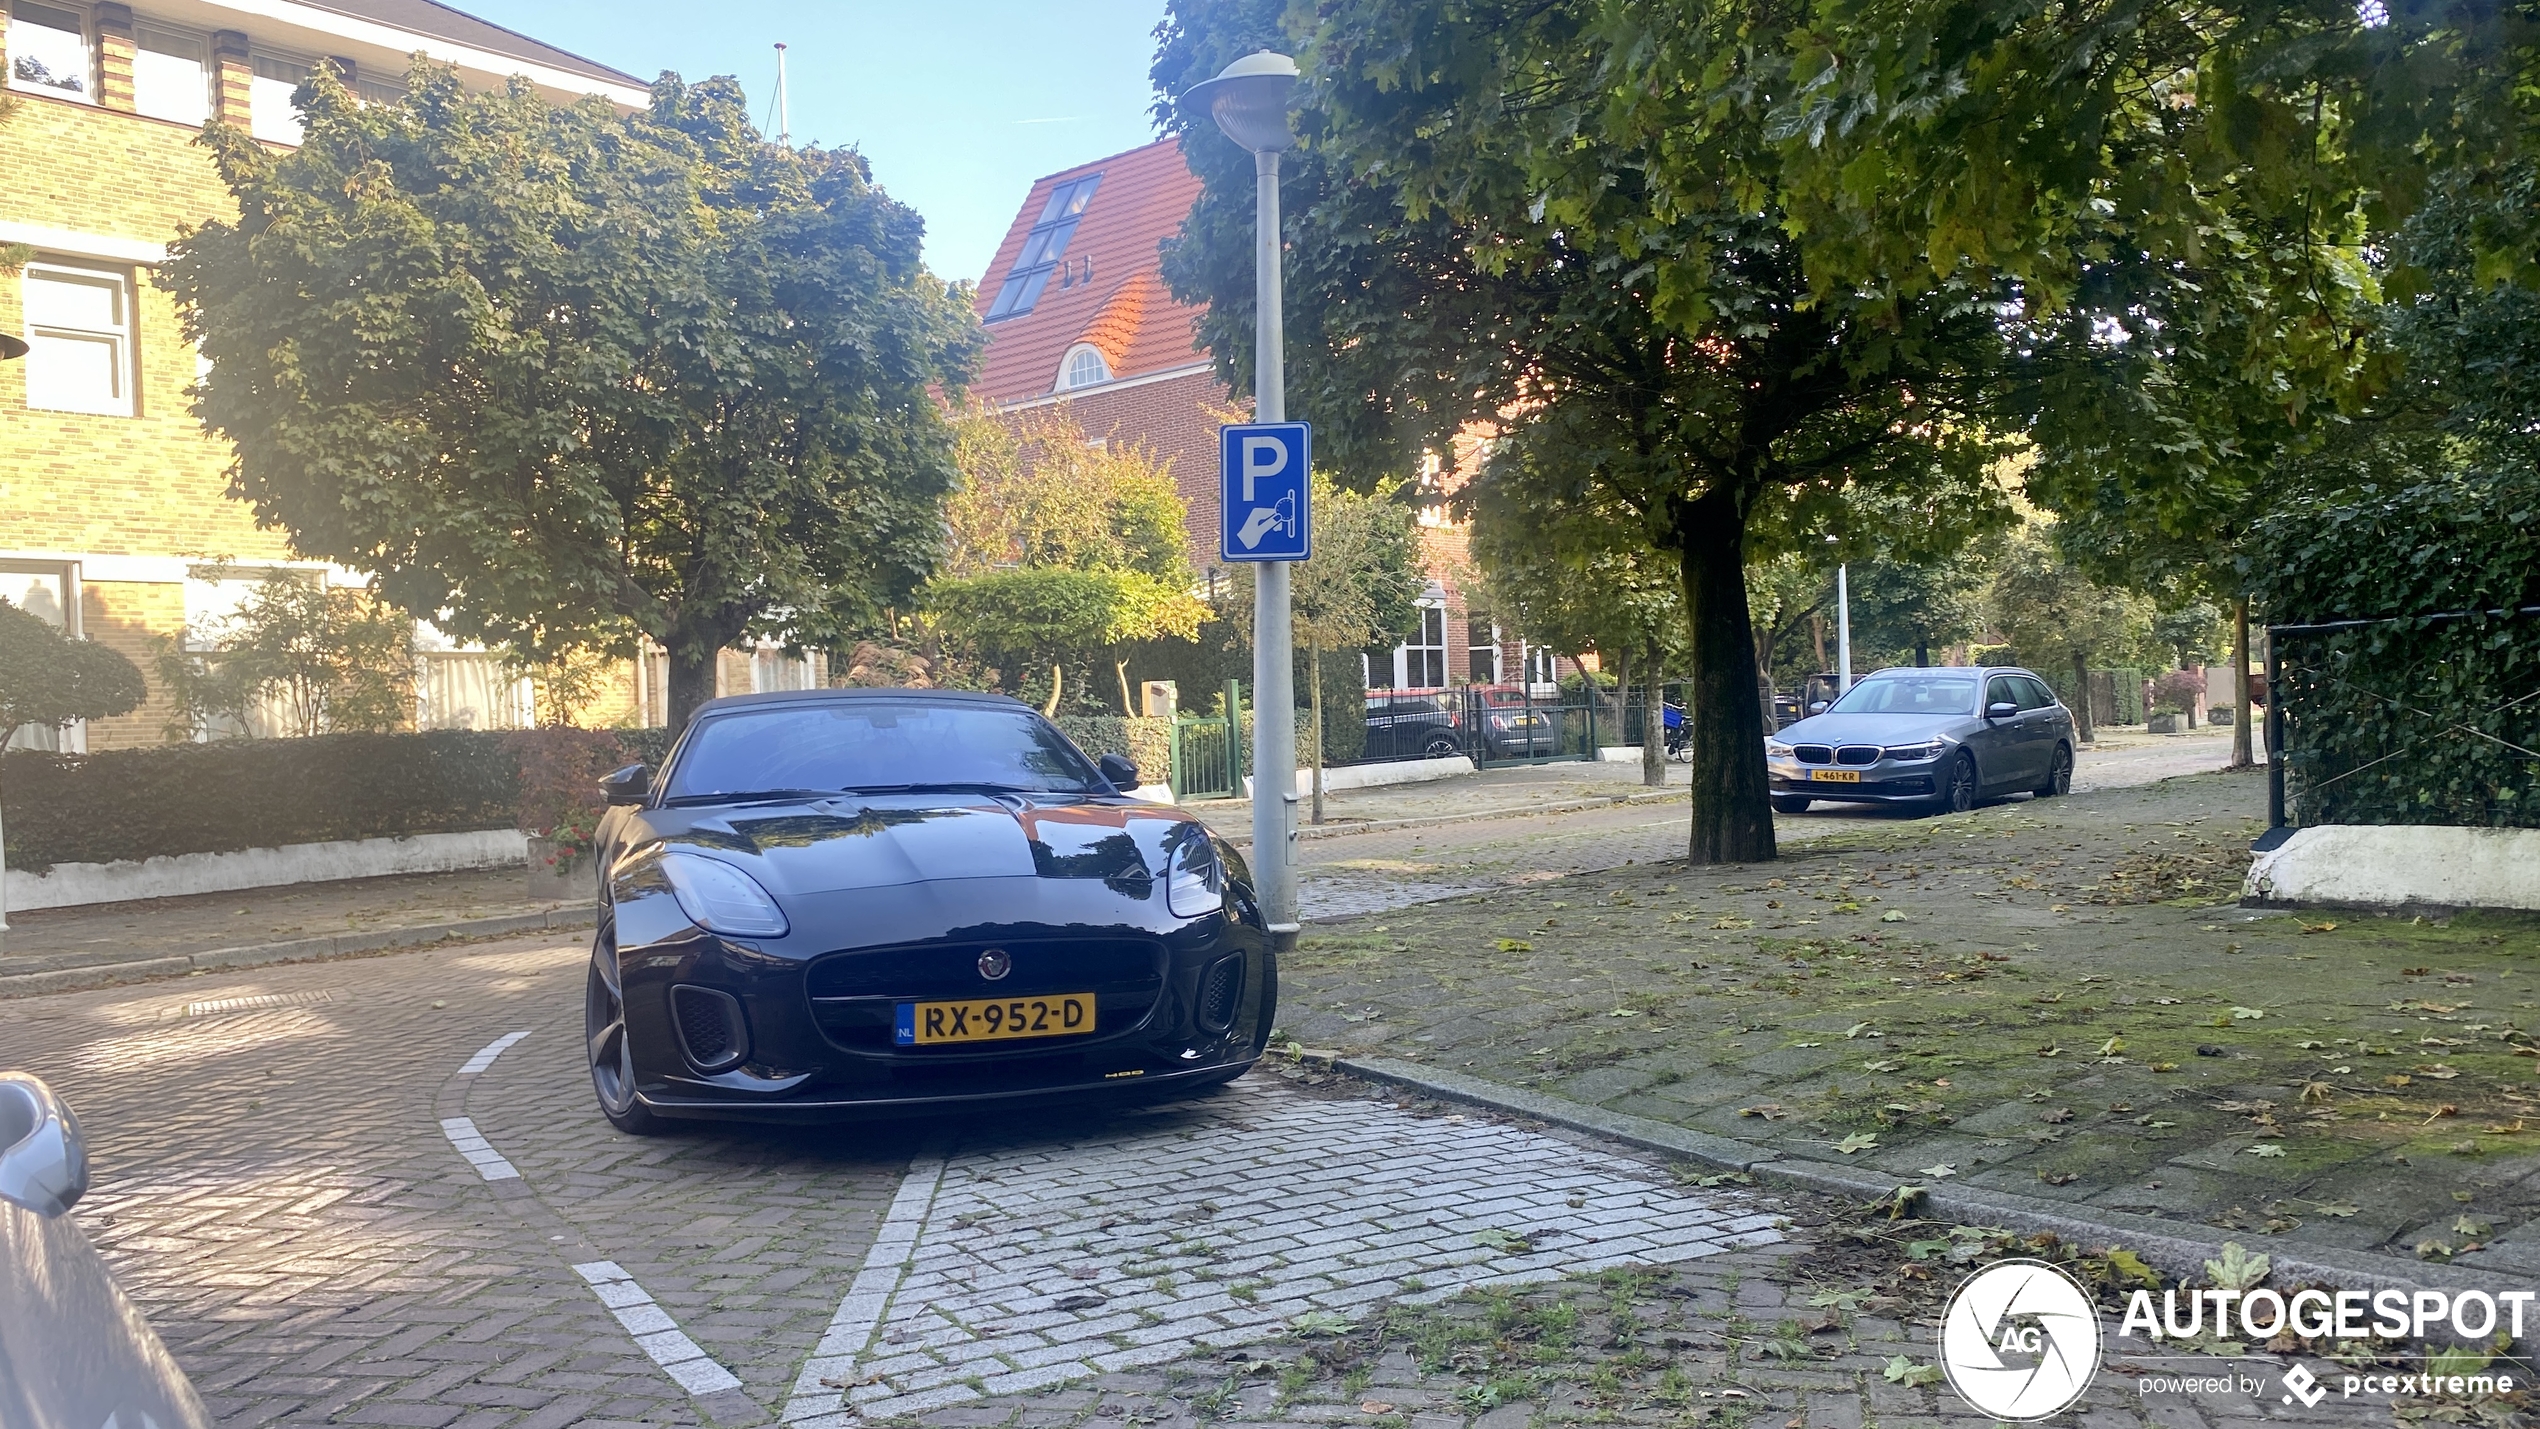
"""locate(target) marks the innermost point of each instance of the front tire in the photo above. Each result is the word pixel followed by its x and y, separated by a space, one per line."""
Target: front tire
pixel 611 1056
pixel 2059 773
pixel 1959 788
pixel 1441 747
pixel 1791 803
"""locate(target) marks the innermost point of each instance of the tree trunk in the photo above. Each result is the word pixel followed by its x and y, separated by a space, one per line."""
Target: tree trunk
pixel 691 680
pixel 1732 820
pixel 1314 666
pixel 1817 633
pixel 1128 707
pixel 1058 686
pixel 1922 650
pixel 2240 751
pixel 1653 725
pixel 2081 697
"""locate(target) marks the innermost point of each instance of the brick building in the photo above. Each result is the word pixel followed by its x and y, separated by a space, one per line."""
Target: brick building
pixel 114 515
pixel 1078 318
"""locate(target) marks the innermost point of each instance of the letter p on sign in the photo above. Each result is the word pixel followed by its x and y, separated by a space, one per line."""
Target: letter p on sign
pixel 1263 456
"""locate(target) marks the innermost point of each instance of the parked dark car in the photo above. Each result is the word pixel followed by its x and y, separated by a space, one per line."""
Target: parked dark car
pixel 1426 724
pixel 1946 736
pixel 73 1350
pixel 1514 727
pixel 833 902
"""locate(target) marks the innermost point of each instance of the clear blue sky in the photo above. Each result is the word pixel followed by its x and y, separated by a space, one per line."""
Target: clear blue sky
pixel 959 104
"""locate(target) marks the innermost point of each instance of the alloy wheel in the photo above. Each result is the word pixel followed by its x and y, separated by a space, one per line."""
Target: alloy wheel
pixel 2059 776
pixel 1962 785
pixel 604 1030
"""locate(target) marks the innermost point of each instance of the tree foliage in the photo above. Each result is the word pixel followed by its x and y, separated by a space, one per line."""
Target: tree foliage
pixel 1490 226
pixel 49 678
pixel 545 371
pixel 300 657
pixel 1061 553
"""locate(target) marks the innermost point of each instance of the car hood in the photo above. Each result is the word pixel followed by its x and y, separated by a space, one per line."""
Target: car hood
pixel 1875 728
pixel 835 845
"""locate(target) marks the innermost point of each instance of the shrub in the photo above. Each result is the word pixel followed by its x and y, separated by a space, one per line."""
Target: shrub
pixel 2176 692
pixel 2406 721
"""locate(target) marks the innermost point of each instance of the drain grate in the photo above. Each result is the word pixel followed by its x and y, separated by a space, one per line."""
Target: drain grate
pixel 250 1004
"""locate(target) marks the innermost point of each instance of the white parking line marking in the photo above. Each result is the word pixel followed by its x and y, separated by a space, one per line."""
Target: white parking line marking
pixel 859 1315
pixel 1045 1261
pixel 486 1054
pixel 654 1331
pixel 480 1154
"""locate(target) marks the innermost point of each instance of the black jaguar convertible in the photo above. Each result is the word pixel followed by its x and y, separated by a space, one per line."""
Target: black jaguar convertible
pixel 835 902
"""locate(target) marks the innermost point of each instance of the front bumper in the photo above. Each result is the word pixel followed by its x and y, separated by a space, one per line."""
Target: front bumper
pixel 1887 781
pixel 811 1022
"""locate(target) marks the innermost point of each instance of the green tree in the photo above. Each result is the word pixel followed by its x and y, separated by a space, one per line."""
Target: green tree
pixel 1904 608
pixel 300 654
pixel 49 678
pixel 1489 228
pixel 546 372
pixel 1361 589
pixel 1060 553
pixel 2058 620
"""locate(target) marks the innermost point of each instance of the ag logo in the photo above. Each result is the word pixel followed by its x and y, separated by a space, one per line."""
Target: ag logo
pixel 2020 1340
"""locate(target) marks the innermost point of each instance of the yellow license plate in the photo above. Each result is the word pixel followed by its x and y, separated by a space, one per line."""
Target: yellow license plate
pixel 1835 776
pixel 1007 1019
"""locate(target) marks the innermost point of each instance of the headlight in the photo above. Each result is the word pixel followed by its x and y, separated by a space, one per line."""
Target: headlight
pixel 1195 882
pixel 1775 749
pixel 720 898
pixel 1928 749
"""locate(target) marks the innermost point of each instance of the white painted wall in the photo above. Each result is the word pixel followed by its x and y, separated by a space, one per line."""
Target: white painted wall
pixel 70 885
pixel 2398 866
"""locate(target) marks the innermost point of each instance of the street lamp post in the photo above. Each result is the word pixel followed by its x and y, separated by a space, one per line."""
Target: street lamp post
pixel 1843 628
pixel 1249 101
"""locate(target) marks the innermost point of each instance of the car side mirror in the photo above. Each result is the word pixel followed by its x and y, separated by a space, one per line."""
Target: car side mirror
pixel 628 785
pixel 1120 769
pixel 43 1160
pixel 2000 709
pixel 1818 708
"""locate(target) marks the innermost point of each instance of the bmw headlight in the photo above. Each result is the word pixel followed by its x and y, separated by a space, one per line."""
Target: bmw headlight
pixel 1775 749
pixel 1928 749
pixel 1195 882
pixel 720 898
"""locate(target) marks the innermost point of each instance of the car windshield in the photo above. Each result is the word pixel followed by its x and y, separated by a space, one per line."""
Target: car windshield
pixel 1910 694
pixel 874 746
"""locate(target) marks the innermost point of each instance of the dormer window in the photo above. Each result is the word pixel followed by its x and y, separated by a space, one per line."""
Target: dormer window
pixel 1083 367
pixel 1043 248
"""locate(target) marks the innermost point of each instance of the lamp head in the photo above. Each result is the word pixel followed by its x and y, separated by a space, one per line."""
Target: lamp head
pixel 11 347
pixel 1249 100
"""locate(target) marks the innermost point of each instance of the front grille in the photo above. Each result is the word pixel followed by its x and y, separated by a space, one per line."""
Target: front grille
pixel 710 1026
pixel 853 995
pixel 1815 754
pixel 1857 754
pixel 1220 989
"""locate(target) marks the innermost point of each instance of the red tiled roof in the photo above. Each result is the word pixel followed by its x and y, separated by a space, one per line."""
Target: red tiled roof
pixel 1124 310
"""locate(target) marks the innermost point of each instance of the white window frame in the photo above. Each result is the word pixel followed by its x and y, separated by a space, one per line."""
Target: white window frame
pixel 121 339
pixel 87 91
pixel 1067 376
pixel 1431 613
pixel 143 37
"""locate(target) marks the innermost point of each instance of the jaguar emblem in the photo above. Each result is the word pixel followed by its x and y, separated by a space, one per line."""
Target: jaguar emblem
pixel 995 964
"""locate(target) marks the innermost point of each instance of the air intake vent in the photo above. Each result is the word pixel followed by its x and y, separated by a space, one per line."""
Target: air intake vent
pixel 1220 989
pixel 710 1027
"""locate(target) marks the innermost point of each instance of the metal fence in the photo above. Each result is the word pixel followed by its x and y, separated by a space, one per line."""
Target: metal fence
pixel 1208 751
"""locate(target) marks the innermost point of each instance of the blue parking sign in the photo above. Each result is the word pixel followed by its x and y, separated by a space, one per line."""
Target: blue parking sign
pixel 1265 497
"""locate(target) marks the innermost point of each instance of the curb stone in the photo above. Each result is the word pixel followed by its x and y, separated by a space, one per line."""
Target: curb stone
pixel 1430 821
pixel 75 972
pixel 2178 1247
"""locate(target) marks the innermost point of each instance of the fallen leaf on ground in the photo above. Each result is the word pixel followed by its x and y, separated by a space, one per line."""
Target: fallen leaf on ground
pixel 1770 1111
pixel 2264 1148
pixel 1857 1141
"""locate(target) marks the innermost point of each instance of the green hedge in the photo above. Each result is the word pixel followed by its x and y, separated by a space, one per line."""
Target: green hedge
pixel 2378 719
pixel 1147 742
pixel 252 793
